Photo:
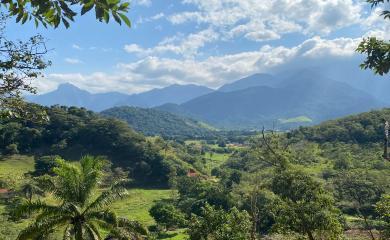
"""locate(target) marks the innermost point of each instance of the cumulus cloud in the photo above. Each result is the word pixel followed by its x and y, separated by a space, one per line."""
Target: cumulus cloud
pixel 269 20
pixel 153 71
pixel 186 46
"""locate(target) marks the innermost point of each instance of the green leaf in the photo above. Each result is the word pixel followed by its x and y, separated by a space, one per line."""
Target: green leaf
pixel 87 7
pixel 125 19
pixel 66 23
pixel 106 16
pixel 117 19
pixel 25 17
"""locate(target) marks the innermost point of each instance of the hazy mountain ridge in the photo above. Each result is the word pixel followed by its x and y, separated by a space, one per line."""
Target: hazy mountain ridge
pixel 252 102
pixel 70 95
pixel 303 93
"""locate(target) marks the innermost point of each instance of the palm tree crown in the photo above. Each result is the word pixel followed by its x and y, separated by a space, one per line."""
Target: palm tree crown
pixel 81 213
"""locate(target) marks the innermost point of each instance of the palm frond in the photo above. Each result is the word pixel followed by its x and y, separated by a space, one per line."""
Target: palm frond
pixel 67 233
pixel 33 207
pixel 132 226
pixel 91 168
pixel 106 216
pixel 106 198
pixel 92 232
pixel 39 229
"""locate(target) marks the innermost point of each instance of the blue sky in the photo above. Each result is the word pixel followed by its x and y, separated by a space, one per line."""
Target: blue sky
pixel 205 42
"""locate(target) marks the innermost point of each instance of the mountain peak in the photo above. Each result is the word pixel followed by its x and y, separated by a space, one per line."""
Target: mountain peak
pixel 68 86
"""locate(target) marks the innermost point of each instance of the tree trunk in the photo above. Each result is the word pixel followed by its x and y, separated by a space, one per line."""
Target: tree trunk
pixel 310 235
pixel 78 231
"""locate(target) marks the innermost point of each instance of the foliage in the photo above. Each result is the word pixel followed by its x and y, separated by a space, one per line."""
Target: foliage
pixel 377 51
pixel 72 132
pixel 153 122
pixel 44 165
pixel 79 213
pixel 383 209
pixel 218 224
pixel 361 128
pixel 20 63
pixel 362 190
pixel 306 208
pixel 167 215
pixel 195 193
pixel 54 12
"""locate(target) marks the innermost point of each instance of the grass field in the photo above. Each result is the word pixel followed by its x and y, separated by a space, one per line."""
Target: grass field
pixel 134 206
pixel 13 168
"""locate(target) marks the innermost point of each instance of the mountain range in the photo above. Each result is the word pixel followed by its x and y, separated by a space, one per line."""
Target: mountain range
pixel 301 98
pixel 70 95
pixel 285 100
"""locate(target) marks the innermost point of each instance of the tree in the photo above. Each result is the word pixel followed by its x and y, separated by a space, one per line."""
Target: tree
pixel 167 215
pixel 54 12
pixel 383 209
pixel 306 208
pixel 21 62
pixel 44 165
pixel 363 191
pixel 377 51
pixel 29 189
pixel 78 213
pixel 220 225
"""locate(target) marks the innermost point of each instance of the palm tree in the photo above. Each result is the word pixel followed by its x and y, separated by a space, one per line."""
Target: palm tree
pixel 81 212
pixel 30 189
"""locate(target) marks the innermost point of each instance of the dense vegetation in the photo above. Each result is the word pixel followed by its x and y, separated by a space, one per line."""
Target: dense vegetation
pixel 153 122
pixel 74 132
pixel 361 128
pixel 272 185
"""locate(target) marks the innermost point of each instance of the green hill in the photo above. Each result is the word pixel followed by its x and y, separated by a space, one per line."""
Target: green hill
pixel 362 128
pixel 74 132
pixel 153 122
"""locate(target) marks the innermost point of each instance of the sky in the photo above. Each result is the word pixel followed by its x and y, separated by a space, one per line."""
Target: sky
pixel 204 42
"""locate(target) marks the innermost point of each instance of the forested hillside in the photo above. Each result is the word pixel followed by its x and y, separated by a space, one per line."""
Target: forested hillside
pixel 362 128
pixel 152 122
pixel 75 132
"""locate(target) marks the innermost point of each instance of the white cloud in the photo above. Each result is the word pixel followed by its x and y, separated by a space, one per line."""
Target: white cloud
pixel 271 19
pixel 73 60
pixel 151 71
pixel 146 3
pixel 77 47
pixel 184 46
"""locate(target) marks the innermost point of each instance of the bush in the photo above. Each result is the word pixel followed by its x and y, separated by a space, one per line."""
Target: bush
pixel 11 149
pixel 44 165
pixel 168 216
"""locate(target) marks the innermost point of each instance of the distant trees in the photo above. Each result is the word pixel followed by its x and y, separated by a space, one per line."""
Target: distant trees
pixel 362 191
pixel 219 224
pixel 74 131
pixel 80 212
pixel 306 207
pixel 377 50
pixel 383 209
pixel 168 216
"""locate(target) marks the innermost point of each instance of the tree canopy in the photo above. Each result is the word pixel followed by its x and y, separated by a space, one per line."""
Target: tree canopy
pixel 54 12
pixel 377 50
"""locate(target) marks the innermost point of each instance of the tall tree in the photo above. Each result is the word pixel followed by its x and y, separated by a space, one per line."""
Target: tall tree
pixel 22 62
pixel 377 50
pixel 79 214
pixel 307 208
